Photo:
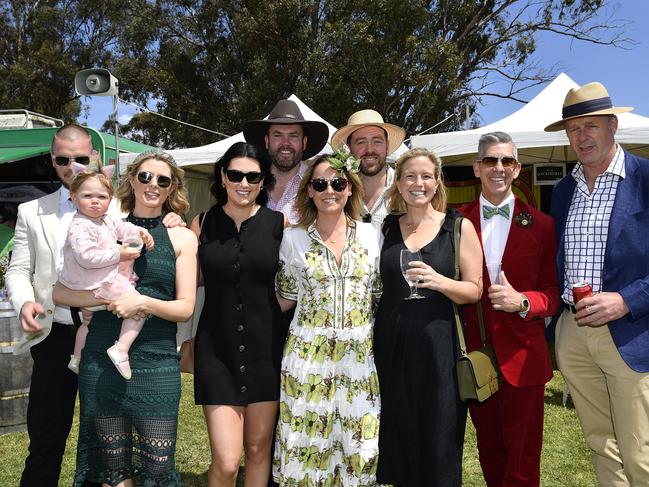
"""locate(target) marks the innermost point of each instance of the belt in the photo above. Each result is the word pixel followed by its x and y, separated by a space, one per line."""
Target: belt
pixel 570 307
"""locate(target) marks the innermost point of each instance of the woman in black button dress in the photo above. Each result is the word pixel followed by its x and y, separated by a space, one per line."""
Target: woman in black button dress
pixel 239 339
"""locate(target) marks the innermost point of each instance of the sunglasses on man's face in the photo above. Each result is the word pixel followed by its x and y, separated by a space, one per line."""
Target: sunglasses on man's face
pixel 65 161
pixel 507 162
pixel 146 177
pixel 337 184
pixel 235 176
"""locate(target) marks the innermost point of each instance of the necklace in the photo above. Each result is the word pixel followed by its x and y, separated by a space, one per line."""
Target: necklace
pixel 330 238
pixel 412 228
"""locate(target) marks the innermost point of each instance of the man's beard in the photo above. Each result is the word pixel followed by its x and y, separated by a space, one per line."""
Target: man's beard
pixel 374 169
pixel 284 165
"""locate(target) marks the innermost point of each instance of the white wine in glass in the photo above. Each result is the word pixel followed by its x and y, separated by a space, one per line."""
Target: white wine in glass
pixel 408 256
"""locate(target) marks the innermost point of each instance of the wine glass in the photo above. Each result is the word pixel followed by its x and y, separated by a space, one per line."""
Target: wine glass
pixel 134 243
pixel 406 257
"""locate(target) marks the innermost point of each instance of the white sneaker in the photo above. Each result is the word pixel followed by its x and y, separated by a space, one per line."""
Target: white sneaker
pixel 73 365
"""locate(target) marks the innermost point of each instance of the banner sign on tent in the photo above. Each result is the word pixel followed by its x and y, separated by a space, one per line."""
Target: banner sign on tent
pixel 548 174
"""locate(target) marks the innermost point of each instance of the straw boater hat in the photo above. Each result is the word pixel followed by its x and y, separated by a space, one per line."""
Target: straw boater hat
pixel 286 112
pixel 368 118
pixel 586 101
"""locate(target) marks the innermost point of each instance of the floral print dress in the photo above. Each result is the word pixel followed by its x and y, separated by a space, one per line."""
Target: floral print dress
pixel 327 434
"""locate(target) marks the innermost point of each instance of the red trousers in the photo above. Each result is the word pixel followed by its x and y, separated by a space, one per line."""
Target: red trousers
pixel 509 428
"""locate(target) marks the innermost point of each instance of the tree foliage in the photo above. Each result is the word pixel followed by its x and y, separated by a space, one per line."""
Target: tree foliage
pixel 44 43
pixel 218 63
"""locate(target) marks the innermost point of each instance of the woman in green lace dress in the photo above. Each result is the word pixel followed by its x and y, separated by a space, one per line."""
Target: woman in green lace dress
pixel 128 429
pixel 329 400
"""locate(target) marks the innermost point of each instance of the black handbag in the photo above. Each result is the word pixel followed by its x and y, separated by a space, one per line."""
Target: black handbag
pixel 477 371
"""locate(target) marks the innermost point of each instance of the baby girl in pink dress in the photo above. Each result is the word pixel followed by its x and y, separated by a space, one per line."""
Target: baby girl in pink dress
pixel 93 260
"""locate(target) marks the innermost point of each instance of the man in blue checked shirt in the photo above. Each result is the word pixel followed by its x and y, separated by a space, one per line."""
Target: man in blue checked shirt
pixel 601 212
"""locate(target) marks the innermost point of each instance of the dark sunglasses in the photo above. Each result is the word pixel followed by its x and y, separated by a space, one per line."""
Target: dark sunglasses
pixel 65 161
pixel 337 184
pixel 507 162
pixel 146 177
pixel 237 176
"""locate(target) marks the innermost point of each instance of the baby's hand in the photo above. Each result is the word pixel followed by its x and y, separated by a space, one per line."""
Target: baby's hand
pixel 146 238
pixel 126 252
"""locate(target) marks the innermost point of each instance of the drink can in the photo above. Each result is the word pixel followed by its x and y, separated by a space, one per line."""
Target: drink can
pixel 581 290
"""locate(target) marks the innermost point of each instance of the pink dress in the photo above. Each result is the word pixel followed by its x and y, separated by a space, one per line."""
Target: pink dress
pixel 91 257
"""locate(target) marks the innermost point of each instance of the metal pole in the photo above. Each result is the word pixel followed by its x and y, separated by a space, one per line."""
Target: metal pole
pixel 118 174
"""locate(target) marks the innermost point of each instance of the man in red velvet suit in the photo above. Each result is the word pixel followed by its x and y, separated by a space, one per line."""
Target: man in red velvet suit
pixel 519 239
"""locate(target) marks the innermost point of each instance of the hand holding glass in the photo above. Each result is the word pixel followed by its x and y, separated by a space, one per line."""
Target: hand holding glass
pixel 134 243
pixel 494 272
pixel 408 256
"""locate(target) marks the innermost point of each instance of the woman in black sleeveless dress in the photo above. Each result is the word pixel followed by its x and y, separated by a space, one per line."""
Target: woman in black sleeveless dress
pixel 415 344
pixel 238 347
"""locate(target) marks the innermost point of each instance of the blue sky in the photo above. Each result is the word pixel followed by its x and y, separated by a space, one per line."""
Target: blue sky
pixel 625 73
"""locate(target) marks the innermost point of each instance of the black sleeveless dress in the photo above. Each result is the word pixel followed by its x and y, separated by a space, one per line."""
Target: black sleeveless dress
pixel 415 348
pixel 239 340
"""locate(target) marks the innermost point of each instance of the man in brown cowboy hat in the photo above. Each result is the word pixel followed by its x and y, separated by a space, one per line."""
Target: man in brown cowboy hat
pixel 371 140
pixel 601 211
pixel 289 139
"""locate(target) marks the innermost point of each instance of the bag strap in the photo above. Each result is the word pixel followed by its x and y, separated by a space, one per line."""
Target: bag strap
pixel 458 322
pixel 201 219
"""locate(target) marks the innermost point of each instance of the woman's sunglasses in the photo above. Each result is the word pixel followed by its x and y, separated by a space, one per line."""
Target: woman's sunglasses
pixel 337 184
pixel 146 177
pixel 237 176
pixel 65 161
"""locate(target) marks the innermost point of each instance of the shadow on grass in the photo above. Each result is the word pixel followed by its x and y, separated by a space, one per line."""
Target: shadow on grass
pixel 555 398
pixel 190 479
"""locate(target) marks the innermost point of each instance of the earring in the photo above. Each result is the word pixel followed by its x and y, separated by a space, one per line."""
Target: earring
pixel 222 184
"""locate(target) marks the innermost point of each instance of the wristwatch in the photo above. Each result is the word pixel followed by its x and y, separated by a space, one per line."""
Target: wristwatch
pixel 525 305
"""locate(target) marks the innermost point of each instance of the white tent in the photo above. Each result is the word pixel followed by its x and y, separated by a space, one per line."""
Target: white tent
pixel 200 158
pixel 526 129
pixel 197 161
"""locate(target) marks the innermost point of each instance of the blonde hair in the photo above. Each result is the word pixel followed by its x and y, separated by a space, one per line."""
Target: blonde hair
pixel 305 205
pixel 396 203
pixel 81 178
pixel 176 201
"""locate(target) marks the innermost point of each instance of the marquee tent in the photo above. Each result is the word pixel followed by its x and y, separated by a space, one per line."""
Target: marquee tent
pixel 197 161
pixel 526 128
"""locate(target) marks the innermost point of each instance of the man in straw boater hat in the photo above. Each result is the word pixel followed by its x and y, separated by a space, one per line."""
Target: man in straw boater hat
pixel 601 211
pixel 371 140
pixel 289 139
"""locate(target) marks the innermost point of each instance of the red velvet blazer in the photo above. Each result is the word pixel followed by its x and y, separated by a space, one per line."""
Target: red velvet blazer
pixel 529 265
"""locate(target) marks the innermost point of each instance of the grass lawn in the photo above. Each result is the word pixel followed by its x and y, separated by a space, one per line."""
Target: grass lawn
pixel 565 462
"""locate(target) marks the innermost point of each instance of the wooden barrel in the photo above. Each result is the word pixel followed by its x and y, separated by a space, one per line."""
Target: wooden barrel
pixel 15 373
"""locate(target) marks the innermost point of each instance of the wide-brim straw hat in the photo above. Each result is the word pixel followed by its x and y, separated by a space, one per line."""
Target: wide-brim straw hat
pixel 286 112
pixel 368 118
pixel 586 101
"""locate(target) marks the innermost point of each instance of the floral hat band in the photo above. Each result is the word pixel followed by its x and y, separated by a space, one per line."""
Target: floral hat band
pixel 341 160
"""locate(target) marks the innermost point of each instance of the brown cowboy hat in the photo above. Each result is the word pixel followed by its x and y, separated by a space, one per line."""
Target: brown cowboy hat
pixel 368 118
pixel 586 101
pixel 286 112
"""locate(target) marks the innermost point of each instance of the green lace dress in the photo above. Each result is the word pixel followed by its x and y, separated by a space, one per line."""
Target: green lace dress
pixel 127 429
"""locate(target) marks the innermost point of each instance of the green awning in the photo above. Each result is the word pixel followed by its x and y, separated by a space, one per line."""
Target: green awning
pixel 20 144
pixel 13 154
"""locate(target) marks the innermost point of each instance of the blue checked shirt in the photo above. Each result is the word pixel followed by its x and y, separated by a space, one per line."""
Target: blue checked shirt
pixel 587 226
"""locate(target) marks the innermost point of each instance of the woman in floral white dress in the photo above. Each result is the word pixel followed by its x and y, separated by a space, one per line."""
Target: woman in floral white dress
pixel 329 400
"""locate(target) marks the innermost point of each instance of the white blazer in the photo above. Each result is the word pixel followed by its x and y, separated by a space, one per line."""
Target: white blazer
pixel 32 272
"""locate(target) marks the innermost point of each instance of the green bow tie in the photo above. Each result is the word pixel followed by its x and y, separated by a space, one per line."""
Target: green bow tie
pixel 489 211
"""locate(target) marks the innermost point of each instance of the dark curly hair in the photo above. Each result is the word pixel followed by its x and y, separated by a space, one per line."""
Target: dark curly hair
pixel 251 151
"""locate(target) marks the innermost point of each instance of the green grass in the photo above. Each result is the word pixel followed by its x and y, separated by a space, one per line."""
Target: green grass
pixel 565 461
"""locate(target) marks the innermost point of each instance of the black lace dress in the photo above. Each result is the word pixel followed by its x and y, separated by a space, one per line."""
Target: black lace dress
pixel 127 429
